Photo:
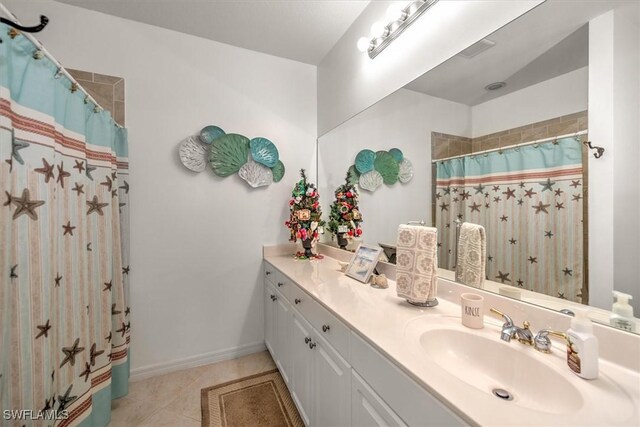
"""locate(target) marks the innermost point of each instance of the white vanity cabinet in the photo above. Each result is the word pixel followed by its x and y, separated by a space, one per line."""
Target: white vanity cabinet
pixel 269 316
pixel 302 366
pixel 334 376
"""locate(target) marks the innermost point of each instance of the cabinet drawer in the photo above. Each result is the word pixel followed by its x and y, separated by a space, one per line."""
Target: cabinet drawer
pixel 331 329
pixel 301 301
pixel 407 398
pixel 283 285
pixel 269 272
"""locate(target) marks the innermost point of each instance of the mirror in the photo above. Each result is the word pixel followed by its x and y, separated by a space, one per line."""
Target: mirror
pixel 496 137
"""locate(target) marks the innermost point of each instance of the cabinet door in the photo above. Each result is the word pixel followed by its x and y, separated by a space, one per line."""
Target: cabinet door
pixel 302 366
pixel 283 337
pixel 332 386
pixel 270 318
pixel 367 408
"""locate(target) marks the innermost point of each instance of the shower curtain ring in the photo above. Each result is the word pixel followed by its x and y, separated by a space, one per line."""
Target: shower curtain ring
pixel 37 54
pixel 58 74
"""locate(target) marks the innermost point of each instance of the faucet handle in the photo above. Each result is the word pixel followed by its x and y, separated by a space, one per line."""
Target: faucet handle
pixel 507 320
pixel 542 342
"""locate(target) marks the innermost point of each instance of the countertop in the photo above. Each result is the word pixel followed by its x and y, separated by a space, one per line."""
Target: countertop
pixel 391 325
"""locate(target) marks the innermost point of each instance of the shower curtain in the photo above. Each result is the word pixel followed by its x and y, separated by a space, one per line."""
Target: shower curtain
pixel 64 314
pixel 530 201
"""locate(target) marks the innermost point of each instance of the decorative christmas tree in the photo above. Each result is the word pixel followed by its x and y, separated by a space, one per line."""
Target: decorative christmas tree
pixel 345 216
pixel 304 221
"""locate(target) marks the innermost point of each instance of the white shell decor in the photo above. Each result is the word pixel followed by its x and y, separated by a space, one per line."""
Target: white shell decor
pixel 370 181
pixel 193 154
pixel 255 174
pixel 406 171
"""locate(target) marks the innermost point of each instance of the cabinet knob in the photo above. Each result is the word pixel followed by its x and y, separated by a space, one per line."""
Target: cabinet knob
pixel 307 340
pixel 312 345
pixel 325 328
pixel 297 301
pixel 267 273
pixel 280 284
pixel 273 297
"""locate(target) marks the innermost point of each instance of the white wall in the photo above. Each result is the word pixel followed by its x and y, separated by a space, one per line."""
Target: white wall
pixel 196 240
pixel 614 179
pixel 562 95
pixel 349 82
pixel 405 120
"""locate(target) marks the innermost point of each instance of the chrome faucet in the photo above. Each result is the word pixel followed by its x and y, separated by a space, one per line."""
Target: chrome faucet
pixel 542 342
pixel 510 331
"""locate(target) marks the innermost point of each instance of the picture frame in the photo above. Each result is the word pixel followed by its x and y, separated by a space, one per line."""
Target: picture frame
pixel 363 262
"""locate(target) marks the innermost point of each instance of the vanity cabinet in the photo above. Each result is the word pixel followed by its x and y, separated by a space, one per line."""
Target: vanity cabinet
pixel 283 336
pixel 269 316
pixel 302 366
pixel 336 378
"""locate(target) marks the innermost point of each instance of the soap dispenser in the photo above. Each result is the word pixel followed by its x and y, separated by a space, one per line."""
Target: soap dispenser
pixel 622 316
pixel 582 346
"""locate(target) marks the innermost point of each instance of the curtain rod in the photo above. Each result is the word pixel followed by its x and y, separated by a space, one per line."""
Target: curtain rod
pixel 522 144
pixel 61 69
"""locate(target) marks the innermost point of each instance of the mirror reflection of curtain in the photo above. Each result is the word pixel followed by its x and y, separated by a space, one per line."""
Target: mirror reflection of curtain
pixel 530 201
pixel 64 315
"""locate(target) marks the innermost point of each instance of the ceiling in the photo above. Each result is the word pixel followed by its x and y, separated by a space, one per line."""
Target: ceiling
pixel 550 40
pixel 302 30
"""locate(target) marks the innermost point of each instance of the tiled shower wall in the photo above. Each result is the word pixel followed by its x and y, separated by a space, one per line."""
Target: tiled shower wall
pixel 108 91
pixel 444 145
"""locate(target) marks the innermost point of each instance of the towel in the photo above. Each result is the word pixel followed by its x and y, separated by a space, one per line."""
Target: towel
pixel 472 250
pixel 416 263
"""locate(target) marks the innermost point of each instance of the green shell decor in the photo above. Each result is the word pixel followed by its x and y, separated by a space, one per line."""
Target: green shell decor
pixel 354 175
pixel 364 161
pixel 264 152
pixel 278 171
pixel 397 154
pixel 387 166
pixel 372 169
pixel 228 154
pixel 256 161
pixel 209 133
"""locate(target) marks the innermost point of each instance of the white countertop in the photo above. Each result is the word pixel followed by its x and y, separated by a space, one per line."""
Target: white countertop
pixel 393 327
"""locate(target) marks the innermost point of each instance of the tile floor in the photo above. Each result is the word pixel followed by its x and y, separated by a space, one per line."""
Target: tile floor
pixel 174 399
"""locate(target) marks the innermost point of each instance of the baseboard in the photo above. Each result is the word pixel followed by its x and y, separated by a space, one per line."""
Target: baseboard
pixel 149 371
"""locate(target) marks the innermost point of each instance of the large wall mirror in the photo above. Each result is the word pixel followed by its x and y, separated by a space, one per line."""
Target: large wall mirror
pixel 496 137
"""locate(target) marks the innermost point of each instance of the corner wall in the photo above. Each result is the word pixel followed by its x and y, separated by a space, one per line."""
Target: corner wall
pixel 196 239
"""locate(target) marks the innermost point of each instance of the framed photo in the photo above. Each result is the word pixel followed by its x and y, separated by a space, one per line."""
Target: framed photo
pixel 363 262
pixel 304 214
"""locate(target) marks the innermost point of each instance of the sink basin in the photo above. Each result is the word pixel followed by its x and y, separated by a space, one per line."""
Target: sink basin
pixel 488 364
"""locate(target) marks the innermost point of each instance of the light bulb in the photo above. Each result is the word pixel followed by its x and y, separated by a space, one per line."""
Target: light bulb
pixel 363 44
pixel 394 12
pixel 377 30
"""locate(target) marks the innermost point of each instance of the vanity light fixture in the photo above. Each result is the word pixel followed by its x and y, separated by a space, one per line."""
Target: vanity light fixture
pixel 399 19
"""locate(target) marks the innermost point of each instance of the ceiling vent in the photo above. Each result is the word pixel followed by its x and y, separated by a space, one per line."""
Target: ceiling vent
pixel 477 48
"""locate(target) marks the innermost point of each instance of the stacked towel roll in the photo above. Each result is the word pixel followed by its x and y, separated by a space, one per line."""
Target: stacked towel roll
pixel 472 250
pixel 416 263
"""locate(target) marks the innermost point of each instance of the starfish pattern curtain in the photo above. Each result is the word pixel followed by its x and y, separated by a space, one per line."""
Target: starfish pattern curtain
pixel 64 315
pixel 530 201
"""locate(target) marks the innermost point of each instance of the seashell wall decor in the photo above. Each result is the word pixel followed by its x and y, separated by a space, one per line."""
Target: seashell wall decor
pixel 256 161
pixel 372 169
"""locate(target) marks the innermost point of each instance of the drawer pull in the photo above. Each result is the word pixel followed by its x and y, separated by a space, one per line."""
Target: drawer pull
pixel 325 328
pixel 274 298
pixel 307 340
pixel 312 345
pixel 280 284
pixel 297 301
pixel 267 273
